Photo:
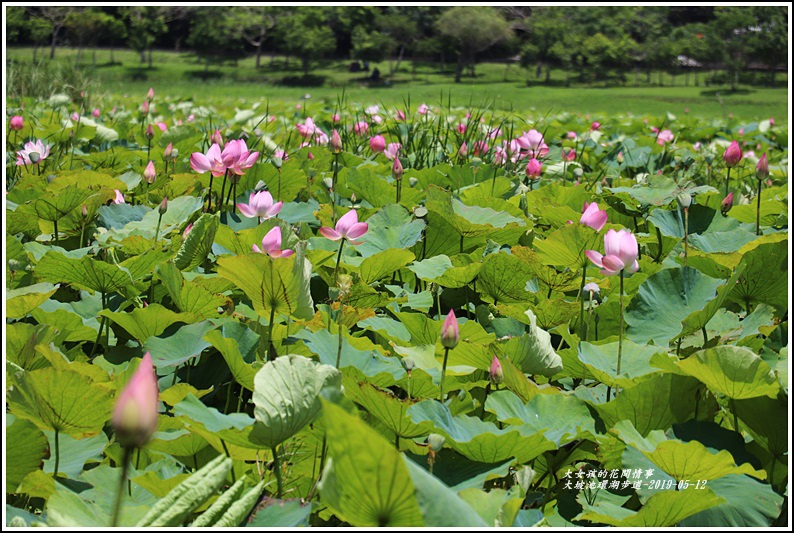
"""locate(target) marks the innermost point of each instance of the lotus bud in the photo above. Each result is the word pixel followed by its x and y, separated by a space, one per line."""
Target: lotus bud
pixel 408 364
pixel 397 169
pixel 497 375
pixel 524 477
pixel 84 211
pixel 732 155
pixel 412 182
pixel 149 173
pixel 685 199
pixel 14 265
pixel 163 207
pixel 145 107
pixel 336 142
pixel 450 334
pixel 135 414
pixel 217 138
pixel 187 230
pixel 168 152
pixel 329 183
pixel 149 132
pixel 150 94
pixel 534 168
pixel 436 442
pixel 464 150
pixel 727 203
pixel 17 123
pixel 377 143
pixel 762 168
pixel 309 156
pixel 34 157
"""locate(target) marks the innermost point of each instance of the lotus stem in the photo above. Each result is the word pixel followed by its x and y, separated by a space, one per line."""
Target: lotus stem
pixel 443 375
pixel 758 210
pixel 125 465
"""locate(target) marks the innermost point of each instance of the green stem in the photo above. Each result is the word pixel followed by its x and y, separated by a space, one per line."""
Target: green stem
pixel 209 196
pixel 341 335
pixel 277 468
pixel 338 259
pixel 659 240
pixel 333 186
pixel 223 188
pixel 443 375
pixel 125 465
pixel 57 453
pixel 705 336
pixel 758 210
pixel 397 442
pixel 581 306
pixel 157 231
pixel 727 182
pixel 686 234
pixel 461 244
pixel 226 451
pixel 271 349
pixel 55 224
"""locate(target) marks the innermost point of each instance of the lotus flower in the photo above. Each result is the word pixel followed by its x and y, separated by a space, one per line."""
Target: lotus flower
pixel 534 168
pixel 96 112
pixel 496 372
pixel 397 169
pixel 392 150
pixel 450 334
pixel 732 155
pixel 377 143
pixel 217 138
pixel 360 128
pixel 236 157
pixel 570 155
pixel 664 136
pixel 212 162
pixel 347 227
pixel 592 287
pixel 17 123
pixel 119 199
pixel 150 174
pixel 260 204
pixel 762 168
pixel 621 251
pixel 727 204
pixel 479 148
pixel 308 128
pixel 593 216
pixel 336 142
pixel 135 413
pixel 423 109
pixel 32 153
pixel 271 245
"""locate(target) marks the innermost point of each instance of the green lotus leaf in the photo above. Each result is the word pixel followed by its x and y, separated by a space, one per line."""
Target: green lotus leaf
pixel 21 301
pixel 497 507
pixel 87 273
pixel 52 206
pixel 566 246
pixel 748 503
pixel 287 396
pixel 282 514
pixel 180 210
pixel 503 278
pixel 381 264
pixel 230 348
pixel 26 449
pixel 733 371
pixel 186 343
pixel 198 244
pixel 387 408
pixel 391 227
pixel 533 352
pixel 601 360
pixel 766 276
pixel 75 453
pixel 145 322
pixel 188 297
pixel 366 482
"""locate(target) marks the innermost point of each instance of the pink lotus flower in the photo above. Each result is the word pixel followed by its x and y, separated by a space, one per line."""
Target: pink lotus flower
pixel 696 146
pixel 621 251
pixel 75 117
pixel 377 143
pixel 494 133
pixel 236 157
pixel 347 227
pixel 732 155
pixel 260 204
pixel 32 153
pixel 771 121
pixel 308 128
pixel 281 154
pixel 570 155
pixel 572 135
pixel 145 107
pixel 17 123
pixel 372 110
pixel 162 125
pixel 496 373
pixel 450 334
pixel 119 199
pixel 479 148
pixel 499 156
pixel 461 128
pixel 595 125
pixel 96 112
pixel 150 94
pixel 726 204
pixel 376 119
pixel 762 168
pixel 392 150
pixel 336 117
pixel 592 287
pixel 360 128
pixel 397 169
pixel 399 115
pixel 336 142
pixel 271 245
pixel 217 138
pixel 423 109
pixel 534 168
pixel 593 217
pixel 665 136
pixel 135 414
pixel 149 173
pixel 191 118
pixel 212 162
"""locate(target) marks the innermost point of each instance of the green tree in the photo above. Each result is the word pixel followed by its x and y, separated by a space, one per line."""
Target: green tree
pixel 768 38
pixel 400 30
pixel 55 18
pixel 732 27
pixel 87 26
pixel 214 36
pixel 370 45
pixel 145 24
pixel 473 29
pixel 306 36
pixel 254 24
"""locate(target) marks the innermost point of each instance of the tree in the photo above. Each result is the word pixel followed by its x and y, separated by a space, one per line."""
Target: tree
pixel 474 29
pixel 145 24
pixel 732 26
pixel 768 40
pixel 305 35
pixel 114 31
pixel 370 45
pixel 55 18
pixel 254 23
pixel 400 31
pixel 87 26
pixel 213 35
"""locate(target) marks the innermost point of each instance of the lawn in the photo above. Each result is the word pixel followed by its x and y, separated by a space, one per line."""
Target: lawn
pixel 511 87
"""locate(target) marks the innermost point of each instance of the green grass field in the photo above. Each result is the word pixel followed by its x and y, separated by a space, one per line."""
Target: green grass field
pixel 182 75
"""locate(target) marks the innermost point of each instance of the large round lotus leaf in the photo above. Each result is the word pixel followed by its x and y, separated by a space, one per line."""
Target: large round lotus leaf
pixel 287 396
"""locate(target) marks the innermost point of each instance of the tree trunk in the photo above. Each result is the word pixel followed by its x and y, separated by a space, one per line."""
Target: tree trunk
pixel 54 40
pixel 143 55
pixel 206 66
pixel 459 69
pixel 636 77
pixel 548 74
pixel 150 58
pixel 306 67
pixel 258 54
pixel 399 60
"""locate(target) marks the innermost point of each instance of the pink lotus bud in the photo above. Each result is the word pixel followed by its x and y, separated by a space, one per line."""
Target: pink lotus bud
pixel 84 211
pixel 450 334
pixel 732 155
pixel 96 112
pixel 727 204
pixel 187 230
pixel 75 117
pixel 377 143
pixel 336 118
pixel 397 169
pixel 696 146
pixel 595 125
pixel 135 414
pixel 771 121
pixel 162 125
pixel 335 142
pixel 191 117
pixel 534 168
pixel 570 155
pixel 572 135
pixel 497 375
pixel 621 158
pixel 149 132
pixel 400 115
pixel 17 123
pixel 150 94
pixel 461 128
pixel 169 150
pixel 145 107
pixel 309 156
pixel 762 168
pixel 360 128
pixel 423 109
pixel 593 217
pixel 741 132
pixel 217 138
pixel 163 207
pixel 149 173
pixel 464 150
pixel 479 148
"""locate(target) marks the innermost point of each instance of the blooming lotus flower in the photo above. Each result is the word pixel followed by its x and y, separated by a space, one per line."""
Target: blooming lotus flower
pixel 236 157
pixel 308 128
pixel 119 199
pixel 271 245
pixel 17 123
pixel 499 156
pixel 664 136
pixel 732 155
pixel 347 227
pixel 392 150
pixel 360 128
pixel 135 414
pixel 212 162
pixel 534 168
pixel 450 334
pixel 621 251
pixel 149 174
pixel 260 204
pixel 495 371
pixel 372 110
pixel 32 153
pixel 423 109
pixel 377 143
pixel 592 216
pixel 726 204
pixel 762 168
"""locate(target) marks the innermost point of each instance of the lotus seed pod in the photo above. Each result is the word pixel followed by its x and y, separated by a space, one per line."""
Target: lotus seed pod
pixel 436 442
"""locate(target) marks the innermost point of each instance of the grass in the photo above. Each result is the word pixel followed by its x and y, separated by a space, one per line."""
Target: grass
pixel 182 75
